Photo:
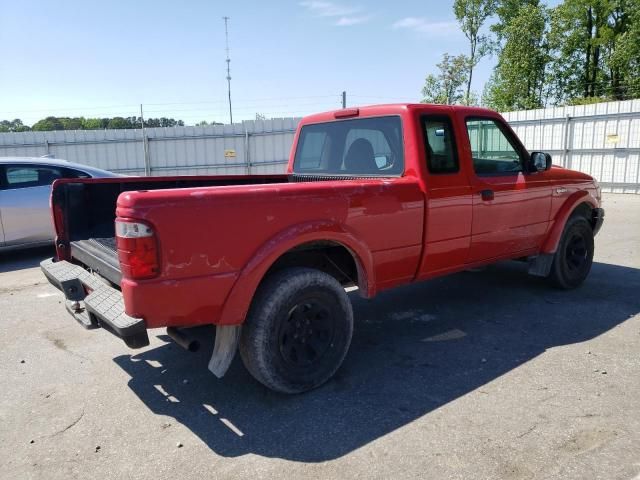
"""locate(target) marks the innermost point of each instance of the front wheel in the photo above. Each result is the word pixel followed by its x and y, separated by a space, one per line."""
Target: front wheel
pixel 298 330
pixel 573 259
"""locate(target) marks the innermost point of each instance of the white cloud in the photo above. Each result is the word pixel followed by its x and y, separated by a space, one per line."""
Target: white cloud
pixel 348 21
pixel 422 25
pixel 347 15
pixel 328 9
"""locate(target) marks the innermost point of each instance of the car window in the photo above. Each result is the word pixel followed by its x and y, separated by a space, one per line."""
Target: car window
pixel 381 149
pixel 440 145
pixel 25 176
pixel 72 173
pixel 492 151
pixel 312 150
pixel 364 146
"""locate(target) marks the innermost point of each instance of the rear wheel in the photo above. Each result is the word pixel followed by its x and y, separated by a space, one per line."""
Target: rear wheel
pixel 573 259
pixel 298 330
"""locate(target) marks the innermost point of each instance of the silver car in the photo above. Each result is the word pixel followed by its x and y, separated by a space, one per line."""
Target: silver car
pixel 25 185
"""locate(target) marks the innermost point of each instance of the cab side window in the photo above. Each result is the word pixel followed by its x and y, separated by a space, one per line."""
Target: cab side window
pixel 492 151
pixel 71 173
pixel 440 145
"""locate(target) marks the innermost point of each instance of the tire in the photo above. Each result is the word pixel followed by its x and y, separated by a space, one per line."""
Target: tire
pixel 573 259
pixel 298 330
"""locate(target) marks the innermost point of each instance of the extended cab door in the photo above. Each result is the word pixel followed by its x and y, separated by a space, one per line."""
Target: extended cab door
pixel 447 235
pixel 511 207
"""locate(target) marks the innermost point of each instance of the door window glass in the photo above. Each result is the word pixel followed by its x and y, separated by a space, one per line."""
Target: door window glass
pixel 491 149
pixel 24 176
pixel 440 145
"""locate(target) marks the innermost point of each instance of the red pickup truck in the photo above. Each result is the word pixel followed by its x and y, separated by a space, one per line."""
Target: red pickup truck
pixel 374 197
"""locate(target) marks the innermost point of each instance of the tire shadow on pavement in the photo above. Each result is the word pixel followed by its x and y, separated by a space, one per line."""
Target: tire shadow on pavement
pixel 414 350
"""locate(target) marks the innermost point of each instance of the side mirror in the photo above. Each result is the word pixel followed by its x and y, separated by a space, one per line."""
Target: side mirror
pixel 539 162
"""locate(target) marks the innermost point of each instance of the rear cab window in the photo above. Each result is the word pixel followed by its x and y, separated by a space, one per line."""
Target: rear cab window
pixel 369 146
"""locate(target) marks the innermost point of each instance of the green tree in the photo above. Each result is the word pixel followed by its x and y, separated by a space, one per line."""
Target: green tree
pixel 519 76
pixel 446 86
pixel 95 123
pixel 13 126
pixel 75 123
pixel 506 11
pixel 595 49
pixel 119 122
pixel 623 39
pixel 48 123
pixel 472 14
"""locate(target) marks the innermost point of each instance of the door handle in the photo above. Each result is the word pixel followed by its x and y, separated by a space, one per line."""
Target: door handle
pixel 487 195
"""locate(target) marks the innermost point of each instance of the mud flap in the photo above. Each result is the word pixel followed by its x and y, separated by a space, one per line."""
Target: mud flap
pixel 227 337
pixel 540 265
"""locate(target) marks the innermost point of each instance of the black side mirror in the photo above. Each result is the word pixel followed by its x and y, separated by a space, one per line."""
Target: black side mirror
pixel 539 162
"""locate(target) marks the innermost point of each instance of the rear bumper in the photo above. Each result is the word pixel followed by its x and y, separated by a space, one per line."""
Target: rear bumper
pixel 598 219
pixel 93 303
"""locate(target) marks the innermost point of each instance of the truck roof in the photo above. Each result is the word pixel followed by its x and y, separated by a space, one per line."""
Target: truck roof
pixel 390 109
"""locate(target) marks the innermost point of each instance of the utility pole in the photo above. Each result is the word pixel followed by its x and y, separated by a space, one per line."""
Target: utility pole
pixel 344 99
pixel 226 36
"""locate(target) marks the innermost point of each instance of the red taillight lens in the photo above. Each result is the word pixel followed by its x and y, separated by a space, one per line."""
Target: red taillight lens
pixel 137 249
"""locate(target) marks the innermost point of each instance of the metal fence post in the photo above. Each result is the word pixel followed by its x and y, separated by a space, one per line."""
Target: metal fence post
pixel 565 147
pixel 246 149
pixel 145 146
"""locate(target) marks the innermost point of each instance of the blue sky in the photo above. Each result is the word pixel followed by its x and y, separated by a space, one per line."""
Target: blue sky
pixel 287 57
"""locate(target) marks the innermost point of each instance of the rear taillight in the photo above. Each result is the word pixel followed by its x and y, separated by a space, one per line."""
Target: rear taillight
pixel 137 249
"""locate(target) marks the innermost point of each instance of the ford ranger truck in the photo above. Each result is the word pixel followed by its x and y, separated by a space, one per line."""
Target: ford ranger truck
pixel 374 197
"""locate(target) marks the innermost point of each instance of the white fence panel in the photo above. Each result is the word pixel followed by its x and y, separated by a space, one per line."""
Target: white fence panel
pixel 248 147
pixel 602 140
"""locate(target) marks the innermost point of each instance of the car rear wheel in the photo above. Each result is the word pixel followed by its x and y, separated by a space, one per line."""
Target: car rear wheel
pixel 573 259
pixel 298 330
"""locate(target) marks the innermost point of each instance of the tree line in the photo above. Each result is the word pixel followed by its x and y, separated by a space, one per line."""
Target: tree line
pixel 82 123
pixel 581 51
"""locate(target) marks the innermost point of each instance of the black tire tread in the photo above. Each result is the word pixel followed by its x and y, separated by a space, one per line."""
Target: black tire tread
pixel 254 339
pixel 556 276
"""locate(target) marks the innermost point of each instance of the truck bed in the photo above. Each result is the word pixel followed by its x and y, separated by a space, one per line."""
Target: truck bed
pixel 85 222
pixel 99 254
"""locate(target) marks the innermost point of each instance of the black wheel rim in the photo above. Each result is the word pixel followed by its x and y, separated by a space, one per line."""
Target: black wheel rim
pixel 576 253
pixel 307 333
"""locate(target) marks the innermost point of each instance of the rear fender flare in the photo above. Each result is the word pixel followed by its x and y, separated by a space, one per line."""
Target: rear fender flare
pixel 239 299
pixel 552 240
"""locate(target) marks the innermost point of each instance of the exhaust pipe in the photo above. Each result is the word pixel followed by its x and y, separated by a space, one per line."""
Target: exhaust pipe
pixel 184 340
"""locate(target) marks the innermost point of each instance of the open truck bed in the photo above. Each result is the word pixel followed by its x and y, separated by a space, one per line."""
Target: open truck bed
pixel 87 268
pixel 85 212
pixel 99 254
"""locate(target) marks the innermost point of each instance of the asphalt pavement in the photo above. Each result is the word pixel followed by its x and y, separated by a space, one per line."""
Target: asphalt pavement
pixel 487 374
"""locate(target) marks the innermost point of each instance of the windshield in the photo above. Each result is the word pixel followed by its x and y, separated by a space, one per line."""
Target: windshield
pixel 363 146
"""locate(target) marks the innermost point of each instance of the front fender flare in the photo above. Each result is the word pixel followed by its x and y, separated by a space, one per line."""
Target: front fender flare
pixel 239 299
pixel 550 245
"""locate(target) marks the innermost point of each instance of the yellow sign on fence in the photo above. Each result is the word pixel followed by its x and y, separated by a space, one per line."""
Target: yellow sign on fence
pixel 230 153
